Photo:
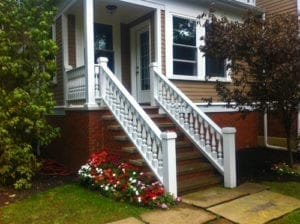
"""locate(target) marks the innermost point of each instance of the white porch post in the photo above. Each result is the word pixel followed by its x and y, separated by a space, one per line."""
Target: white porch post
pixel 169 161
pixel 88 12
pixel 229 157
pixel 153 84
pixel 157 37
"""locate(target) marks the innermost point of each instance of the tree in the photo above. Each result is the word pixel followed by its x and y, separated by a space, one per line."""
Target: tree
pixel 27 64
pixel 264 56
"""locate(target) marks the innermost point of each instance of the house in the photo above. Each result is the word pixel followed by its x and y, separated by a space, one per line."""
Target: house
pixel 274 138
pixel 108 97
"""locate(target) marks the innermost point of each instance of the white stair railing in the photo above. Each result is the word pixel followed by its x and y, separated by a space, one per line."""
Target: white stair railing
pixel 156 147
pixel 216 144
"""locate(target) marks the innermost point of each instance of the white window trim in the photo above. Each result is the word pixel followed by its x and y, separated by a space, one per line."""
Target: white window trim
pixel 201 60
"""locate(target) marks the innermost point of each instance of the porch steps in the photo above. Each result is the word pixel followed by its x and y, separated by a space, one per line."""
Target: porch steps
pixel 193 170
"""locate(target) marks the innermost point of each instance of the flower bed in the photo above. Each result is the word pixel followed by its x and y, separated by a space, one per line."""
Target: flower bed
pixel 284 169
pixel 123 182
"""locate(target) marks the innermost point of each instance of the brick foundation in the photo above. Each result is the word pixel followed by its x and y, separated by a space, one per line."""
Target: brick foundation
pixel 85 132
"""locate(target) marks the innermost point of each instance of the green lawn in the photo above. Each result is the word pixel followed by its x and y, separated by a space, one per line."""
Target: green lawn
pixel 67 204
pixel 288 188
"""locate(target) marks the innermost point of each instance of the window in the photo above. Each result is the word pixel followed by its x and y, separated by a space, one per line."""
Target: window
pixel 184 47
pixel 214 67
pixel 104 43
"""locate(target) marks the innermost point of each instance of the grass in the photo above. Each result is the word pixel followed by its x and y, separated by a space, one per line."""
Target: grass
pixel 68 203
pixel 289 188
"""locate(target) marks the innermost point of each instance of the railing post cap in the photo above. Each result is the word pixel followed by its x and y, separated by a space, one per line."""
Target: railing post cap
pixel 102 60
pixel 153 64
pixel 229 130
pixel 168 135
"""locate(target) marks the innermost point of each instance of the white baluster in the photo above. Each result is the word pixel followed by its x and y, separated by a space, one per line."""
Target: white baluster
pixel 134 126
pixel 154 155
pixel 220 149
pixel 207 138
pixel 160 161
pixel 144 140
pixel 118 103
pixel 181 115
pixel 191 124
pixel 202 134
pixel 149 147
pixel 130 123
pixel 186 120
pixel 139 133
pixel 97 86
pixel 196 125
pixel 213 143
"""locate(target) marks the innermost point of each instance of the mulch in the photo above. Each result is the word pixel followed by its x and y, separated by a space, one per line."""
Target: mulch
pixel 252 164
pixel 9 195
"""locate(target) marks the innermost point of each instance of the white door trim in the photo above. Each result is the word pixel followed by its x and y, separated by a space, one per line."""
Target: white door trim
pixel 133 54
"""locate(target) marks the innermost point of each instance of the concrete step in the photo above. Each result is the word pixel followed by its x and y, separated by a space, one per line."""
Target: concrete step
pixel 186 185
pixel 195 167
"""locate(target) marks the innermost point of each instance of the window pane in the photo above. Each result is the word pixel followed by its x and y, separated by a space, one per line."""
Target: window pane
pixel 184 68
pixel 215 67
pixel 145 60
pixel 184 31
pixel 103 36
pixel 185 53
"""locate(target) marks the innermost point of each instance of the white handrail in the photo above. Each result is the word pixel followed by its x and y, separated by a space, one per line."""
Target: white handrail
pixel 157 148
pixel 202 131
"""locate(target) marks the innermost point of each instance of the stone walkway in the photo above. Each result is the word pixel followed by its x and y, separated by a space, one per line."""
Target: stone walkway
pixel 248 203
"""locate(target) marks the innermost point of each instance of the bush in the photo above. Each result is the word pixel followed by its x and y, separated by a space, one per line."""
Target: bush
pixel 18 166
pixel 123 182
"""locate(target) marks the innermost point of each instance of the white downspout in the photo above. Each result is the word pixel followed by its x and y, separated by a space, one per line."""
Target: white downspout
pixel 266 134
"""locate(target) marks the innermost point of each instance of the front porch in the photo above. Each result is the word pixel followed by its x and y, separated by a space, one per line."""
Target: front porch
pixel 127 33
pixel 106 56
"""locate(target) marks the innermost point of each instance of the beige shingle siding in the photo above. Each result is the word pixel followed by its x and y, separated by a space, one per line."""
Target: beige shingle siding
pixel 278 6
pixel 72 40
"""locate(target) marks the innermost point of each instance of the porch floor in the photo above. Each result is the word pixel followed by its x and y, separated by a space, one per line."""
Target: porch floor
pixel 248 203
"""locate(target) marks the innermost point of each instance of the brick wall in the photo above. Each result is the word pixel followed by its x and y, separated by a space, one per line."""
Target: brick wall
pixel 247 127
pixel 81 134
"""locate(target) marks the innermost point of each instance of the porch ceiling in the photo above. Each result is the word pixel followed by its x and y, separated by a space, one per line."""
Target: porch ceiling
pixel 125 12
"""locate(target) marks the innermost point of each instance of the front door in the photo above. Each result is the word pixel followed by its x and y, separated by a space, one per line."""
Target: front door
pixel 140 64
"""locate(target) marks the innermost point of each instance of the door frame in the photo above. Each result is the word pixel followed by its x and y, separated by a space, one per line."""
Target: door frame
pixel 133 54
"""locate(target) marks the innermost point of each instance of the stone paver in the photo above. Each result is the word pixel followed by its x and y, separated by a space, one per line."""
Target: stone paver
pixel 212 196
pixel 251 188
pixel 257 208
pixel 130 220
pixel 182 215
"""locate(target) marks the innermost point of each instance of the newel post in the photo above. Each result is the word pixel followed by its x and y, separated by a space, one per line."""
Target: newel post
pixel 169 162
pixel 229 157
pixel 153 83
pixel 102 61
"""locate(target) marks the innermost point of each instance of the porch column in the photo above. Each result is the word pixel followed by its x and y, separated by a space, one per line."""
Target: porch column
pixel 158 37
pixel 88 14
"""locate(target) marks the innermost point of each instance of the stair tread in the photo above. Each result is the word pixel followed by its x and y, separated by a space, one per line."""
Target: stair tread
pixel 188 155
pixel 193 168
pixel 195 183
